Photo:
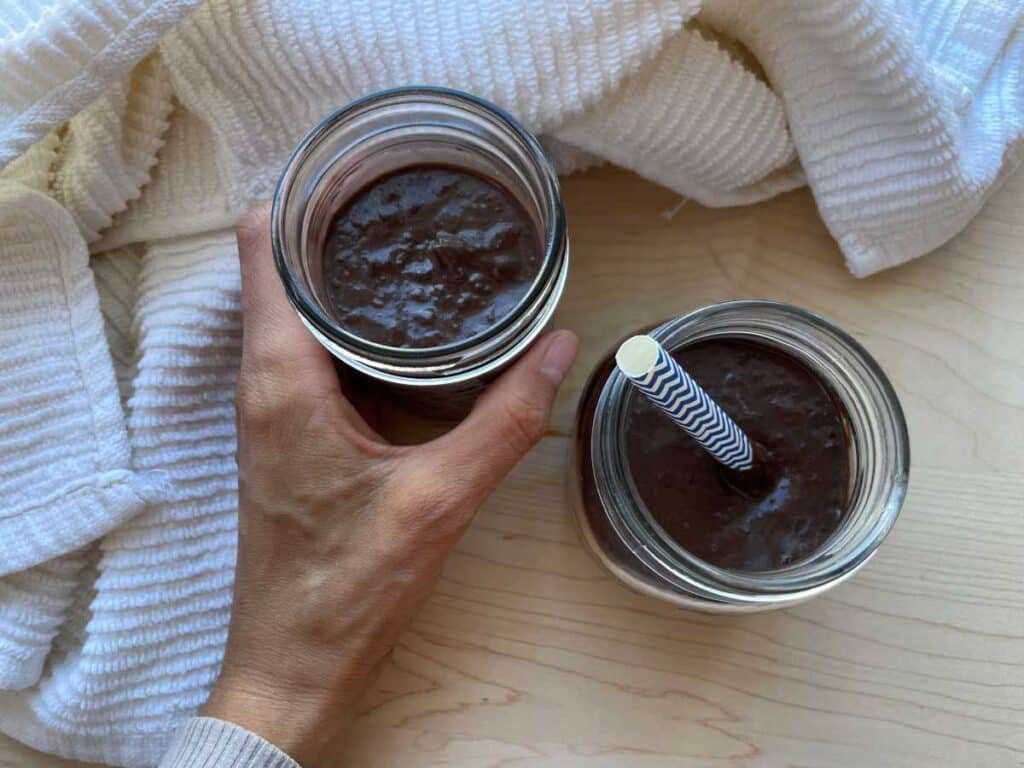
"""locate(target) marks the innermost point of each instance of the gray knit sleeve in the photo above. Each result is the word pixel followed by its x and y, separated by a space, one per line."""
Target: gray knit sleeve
pixel 204 742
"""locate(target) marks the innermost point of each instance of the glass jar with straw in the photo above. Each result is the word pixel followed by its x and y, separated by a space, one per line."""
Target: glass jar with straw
pixel 628 540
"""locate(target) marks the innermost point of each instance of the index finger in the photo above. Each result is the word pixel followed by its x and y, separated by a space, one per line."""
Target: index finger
pixel 280 357
pixel 272 334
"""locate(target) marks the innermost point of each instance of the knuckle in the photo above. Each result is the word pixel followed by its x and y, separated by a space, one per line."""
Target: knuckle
pixel 423 505
pixel 428 510
pixel 253 228
pixel 527 423
pixel 264 360
pixel 258 403
pixel 430 515
pixel 254 413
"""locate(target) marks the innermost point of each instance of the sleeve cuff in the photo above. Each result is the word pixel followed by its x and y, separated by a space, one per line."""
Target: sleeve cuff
pixel 205 742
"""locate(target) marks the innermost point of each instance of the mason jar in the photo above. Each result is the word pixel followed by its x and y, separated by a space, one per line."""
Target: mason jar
pixel 623 534
pixel 375 136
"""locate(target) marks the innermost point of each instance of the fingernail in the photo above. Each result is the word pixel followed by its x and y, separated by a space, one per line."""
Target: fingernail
pixel 559 355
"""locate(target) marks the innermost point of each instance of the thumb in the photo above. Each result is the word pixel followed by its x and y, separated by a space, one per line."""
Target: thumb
pixel 506 422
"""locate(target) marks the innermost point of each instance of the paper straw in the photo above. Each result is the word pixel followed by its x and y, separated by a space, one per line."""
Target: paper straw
pixel 656 373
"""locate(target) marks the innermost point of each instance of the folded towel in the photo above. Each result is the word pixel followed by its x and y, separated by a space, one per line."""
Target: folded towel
pixel 142 128
pixel 142 647
pixel 66 477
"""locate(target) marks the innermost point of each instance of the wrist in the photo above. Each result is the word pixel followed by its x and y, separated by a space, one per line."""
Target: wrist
pixel 308 725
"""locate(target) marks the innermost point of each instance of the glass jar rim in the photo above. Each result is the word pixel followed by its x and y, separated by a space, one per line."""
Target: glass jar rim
pixel 553 246
pixel 767 588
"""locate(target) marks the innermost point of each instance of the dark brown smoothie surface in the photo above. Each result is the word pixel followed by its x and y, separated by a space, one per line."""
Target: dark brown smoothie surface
pixel 797 492
pixel 429 255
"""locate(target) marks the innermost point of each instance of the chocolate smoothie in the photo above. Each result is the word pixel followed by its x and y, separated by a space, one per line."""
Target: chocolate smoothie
pixel 427 256
pixel 776 513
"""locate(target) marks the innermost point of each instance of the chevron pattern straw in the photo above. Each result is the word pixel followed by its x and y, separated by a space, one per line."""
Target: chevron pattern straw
pixel 655 373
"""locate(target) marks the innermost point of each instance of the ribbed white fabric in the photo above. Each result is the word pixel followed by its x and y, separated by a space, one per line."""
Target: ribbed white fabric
pixel 545 62
pixel 115 585
pixel 117 282
pixel 33 606
pixel 657 124
pixel 66 477
pixel 59 55
pixel 151 640
pixel 35 168
pixel 186 194
pixel 906 115
pixel 110 146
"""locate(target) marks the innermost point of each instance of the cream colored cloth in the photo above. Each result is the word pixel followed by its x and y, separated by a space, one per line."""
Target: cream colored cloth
pixel 204 742
pixel 138 130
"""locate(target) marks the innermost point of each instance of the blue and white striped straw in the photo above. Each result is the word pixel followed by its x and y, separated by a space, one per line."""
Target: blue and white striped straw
pixel 656 373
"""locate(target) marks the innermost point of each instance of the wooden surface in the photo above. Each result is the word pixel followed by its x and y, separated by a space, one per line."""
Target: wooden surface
pixel 529 655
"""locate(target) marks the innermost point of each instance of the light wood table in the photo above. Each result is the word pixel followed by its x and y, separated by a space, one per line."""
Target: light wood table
pixel 530 655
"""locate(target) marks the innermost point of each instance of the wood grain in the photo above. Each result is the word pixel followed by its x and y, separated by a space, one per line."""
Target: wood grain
pixel 529 655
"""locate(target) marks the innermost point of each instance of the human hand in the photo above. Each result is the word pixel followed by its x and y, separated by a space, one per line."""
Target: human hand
pixel 342 534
